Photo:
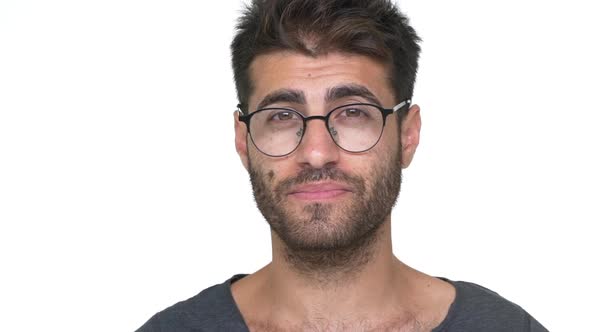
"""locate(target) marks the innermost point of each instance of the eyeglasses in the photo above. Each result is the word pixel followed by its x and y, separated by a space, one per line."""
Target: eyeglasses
pixel 278 131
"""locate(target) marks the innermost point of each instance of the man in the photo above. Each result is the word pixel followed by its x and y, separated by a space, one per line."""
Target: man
pixel 324 127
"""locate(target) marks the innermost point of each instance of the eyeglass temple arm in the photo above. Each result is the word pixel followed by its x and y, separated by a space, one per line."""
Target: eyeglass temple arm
pixel 401 105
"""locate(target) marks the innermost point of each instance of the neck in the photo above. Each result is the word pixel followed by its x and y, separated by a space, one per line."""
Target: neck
pixel 339 282
pixel 375 291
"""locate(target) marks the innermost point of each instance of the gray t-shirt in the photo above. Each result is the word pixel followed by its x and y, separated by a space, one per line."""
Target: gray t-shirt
pixel 475 309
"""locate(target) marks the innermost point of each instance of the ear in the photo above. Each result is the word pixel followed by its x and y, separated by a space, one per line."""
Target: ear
pixel 241 139
pixel 410 134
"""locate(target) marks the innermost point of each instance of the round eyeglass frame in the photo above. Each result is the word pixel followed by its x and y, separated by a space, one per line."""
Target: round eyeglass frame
pixel 384 112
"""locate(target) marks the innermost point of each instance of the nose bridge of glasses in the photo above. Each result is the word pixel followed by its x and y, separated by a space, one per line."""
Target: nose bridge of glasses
pixel 323 118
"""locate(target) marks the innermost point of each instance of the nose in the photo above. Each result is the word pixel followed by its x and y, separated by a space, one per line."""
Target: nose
pixel 317 149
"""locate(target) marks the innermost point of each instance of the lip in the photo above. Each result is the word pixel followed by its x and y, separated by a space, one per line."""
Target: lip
pixel 319 191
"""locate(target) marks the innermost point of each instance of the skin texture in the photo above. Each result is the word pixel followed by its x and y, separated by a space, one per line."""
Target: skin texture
pixel 333 266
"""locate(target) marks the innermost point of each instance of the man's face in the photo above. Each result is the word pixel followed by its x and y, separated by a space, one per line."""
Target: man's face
pixel 321 197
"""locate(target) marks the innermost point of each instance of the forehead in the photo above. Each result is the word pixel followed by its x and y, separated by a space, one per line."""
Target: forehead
pixel 315 75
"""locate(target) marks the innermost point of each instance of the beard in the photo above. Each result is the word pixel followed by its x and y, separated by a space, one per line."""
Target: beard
pixel 327 238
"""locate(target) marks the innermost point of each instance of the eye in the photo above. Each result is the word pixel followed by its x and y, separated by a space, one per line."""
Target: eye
pixel 283 116
pixel 352 112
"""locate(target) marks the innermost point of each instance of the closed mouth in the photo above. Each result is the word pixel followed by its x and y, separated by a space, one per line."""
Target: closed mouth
pixel 321 190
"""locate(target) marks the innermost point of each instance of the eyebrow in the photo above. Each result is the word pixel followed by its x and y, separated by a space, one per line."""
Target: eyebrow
pixel 284 96
pixel 333 94
pixel 351 90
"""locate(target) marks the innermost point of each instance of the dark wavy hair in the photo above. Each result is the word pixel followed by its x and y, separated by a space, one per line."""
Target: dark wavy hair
pixel 374 28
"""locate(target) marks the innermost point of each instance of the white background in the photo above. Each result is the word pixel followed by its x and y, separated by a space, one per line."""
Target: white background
pixel 121 193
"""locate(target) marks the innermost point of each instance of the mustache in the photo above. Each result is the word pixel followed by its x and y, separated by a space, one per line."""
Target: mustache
pixel 310 175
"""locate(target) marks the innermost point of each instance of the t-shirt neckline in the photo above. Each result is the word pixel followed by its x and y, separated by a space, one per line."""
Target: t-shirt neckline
pixel 450 313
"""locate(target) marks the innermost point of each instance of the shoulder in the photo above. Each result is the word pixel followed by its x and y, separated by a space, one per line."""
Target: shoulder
pixel 477 308
pixel 211 309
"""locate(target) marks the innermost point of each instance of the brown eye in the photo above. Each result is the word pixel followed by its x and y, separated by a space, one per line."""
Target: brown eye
pixel 352 112
pixel 285 116
pixel 282 116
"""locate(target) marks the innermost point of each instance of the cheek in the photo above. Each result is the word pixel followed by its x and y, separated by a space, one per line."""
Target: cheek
pixel 278 171
pixel 268 170
pixel 389 141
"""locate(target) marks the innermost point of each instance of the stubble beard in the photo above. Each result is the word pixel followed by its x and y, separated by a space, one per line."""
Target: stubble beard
pixel 327 240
